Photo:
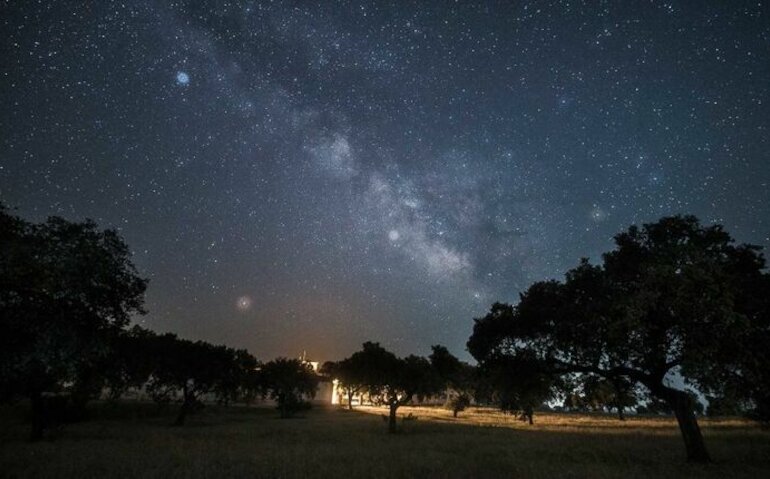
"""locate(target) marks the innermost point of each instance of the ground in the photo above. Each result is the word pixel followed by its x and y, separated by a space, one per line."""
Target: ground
pixel 136 440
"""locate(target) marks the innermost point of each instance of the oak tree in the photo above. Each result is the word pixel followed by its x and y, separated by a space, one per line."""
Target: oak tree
pixel 672 300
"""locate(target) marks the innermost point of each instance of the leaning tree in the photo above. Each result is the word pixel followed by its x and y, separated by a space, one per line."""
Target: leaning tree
pixel 674 302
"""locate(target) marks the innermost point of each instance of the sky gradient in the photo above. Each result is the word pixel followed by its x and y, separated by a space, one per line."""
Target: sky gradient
pixel 307 176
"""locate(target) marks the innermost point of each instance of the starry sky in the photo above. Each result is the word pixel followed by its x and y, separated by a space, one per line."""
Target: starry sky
pixel 310 175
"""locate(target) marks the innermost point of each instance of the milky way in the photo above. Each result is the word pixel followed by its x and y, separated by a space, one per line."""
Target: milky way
pixel 297 176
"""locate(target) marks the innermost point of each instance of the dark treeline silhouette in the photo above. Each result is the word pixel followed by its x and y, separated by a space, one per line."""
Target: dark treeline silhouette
pixel 516 385
pixel 384 379
pixel 169 368
pixel 675 313
pixel 67 293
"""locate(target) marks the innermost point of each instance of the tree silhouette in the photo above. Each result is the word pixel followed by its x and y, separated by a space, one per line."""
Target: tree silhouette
pixel 130 362
pixel 447 367
pixel 289 382
pixel 65 289
pixel 393 381
pixel 239 377
pixel 459 402
pixel 455 376
pixel 350 372
pixel 186 367
pixel 169 367
pixel 520 383
pixel 674 297
pixel 600 393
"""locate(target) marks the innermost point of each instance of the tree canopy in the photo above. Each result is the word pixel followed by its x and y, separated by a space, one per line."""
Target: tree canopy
pixel 670 301
pixel 394 381
pixel 64 287
pixel 456 377
pixel 288 382
pixel 351 374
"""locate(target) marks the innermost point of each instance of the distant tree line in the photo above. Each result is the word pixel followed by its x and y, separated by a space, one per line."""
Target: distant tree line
pixel 516 385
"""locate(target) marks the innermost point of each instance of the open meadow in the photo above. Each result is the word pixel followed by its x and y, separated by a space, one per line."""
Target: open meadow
pixel 136 440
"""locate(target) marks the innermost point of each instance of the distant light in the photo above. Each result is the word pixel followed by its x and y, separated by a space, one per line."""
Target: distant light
pixel 243 303
pixel 182 78
pixel 393 235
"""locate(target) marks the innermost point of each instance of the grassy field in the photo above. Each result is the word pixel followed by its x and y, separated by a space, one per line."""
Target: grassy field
pixel 135 440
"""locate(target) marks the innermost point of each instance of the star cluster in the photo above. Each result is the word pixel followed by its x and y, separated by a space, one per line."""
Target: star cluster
pixel 306 176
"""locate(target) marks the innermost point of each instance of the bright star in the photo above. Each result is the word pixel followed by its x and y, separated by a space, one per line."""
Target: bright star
pixel 182 78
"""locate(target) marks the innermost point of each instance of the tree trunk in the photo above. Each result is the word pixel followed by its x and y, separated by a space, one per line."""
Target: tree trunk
pixel 688 424
pixel 392 417
pixel 621 413
pixel 454 412
pixel 681 403
pixel 282 409
pixel 529 412
pixel 350 399
pixel 182 415
pixel 186 406
pixel 38 417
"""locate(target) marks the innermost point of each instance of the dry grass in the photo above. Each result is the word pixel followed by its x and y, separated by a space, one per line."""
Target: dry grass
pixel 137 441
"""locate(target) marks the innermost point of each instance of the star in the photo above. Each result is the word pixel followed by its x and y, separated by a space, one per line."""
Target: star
pixel 598 214
pixel 182 78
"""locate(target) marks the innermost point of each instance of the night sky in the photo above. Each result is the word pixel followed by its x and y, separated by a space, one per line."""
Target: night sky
pixel 295 176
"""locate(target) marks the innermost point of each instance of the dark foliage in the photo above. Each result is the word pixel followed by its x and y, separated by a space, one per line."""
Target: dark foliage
pixel 67 293
pixel 66 289
pixel 393 381
pixel 674 297
pixel 456 377
pixel 289 382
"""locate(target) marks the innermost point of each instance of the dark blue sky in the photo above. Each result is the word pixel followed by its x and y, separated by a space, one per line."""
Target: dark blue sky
pixel 296 176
